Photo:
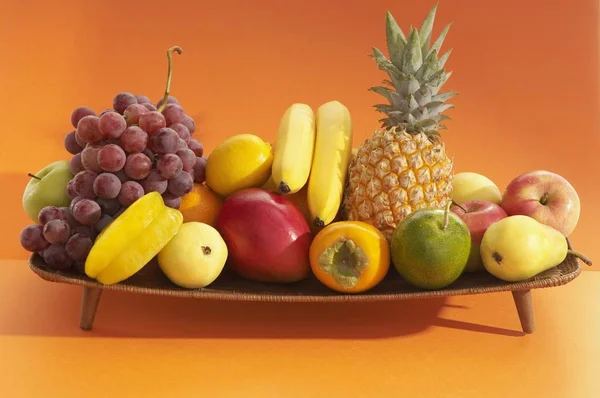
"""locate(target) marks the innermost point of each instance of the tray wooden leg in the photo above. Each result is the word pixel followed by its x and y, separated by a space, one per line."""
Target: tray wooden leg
pixel 89 305
pixel 524 304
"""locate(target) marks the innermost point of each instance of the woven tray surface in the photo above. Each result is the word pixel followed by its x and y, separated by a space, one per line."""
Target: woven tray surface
pixel 151 280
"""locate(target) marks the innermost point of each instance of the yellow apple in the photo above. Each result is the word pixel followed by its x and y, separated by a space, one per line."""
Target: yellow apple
pixel 468 186
pixel 195 257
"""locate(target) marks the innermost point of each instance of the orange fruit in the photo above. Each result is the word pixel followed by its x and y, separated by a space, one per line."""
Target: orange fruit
pixel 201 204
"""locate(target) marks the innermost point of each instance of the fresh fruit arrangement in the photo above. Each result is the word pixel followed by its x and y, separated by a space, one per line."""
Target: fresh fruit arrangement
pixel 138 187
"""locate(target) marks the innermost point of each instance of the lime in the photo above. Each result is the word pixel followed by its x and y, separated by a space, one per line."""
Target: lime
pixel 430 248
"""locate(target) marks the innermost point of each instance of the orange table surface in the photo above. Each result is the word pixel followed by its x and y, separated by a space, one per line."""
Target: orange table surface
pixel 468 346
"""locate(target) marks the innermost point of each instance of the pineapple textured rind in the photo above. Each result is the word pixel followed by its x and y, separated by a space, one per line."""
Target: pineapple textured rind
pixel 393 174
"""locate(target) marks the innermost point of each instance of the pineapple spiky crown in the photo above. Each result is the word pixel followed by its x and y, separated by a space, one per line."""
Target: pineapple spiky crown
pixel 416 77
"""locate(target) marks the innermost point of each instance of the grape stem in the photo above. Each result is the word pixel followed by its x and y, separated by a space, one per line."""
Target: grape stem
pixel 33 176
pixel 170 52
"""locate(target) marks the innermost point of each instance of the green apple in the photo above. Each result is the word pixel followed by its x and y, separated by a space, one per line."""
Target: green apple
pixel 47 187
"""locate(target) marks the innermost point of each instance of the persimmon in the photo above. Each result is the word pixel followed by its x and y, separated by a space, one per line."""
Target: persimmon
pixel 350 256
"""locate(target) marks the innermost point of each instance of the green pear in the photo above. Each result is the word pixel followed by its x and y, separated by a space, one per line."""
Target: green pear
pixel 519 247
pixel 47 187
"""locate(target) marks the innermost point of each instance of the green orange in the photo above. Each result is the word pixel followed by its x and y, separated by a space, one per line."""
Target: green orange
pixel 430 248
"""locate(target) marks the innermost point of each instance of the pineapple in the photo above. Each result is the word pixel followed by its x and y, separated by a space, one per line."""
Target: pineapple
pixel 404 166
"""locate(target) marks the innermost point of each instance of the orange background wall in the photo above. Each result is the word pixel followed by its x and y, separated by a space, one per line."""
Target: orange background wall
pixel 527 72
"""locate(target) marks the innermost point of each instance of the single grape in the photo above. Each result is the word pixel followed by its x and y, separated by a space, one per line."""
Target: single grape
pixel 79 141
pixel 142 99
pixel 133 112
pixel 173 113
pixel 32 238
pixel 182 131
pixel 108 206
pixel 71 144
pixel 48 214
pixel 87 129
pixel 79 267
pixel 87 212
pixel 79 113
pixel 83 183
pixel 85 230
pixel 74 202
pixel 111 158
pixel 181 184
pixel 150 147
pixel 151 155
pixel 170 100
pixel 130 192
pixel 188 158
pixel 103 223
pixel 118 213
pixel 55 256
pixel 89 158
pixel 122 100
pixel 149 106
pixel 200 170
pixel 165 140
pixel 122 176
pixel 71 189
pixel 106 111
pixel 196 146
pixel 169 165
pixel 78 247
pixel 75 164
pixel 107 186
pixel 190 124
pixel 172 200
pixel 57 231
pixel 154 182
pixel 182 145
pixel 67 215
pixel 137 166
pixel 112 125
pixel 151 122
pixel 114 141
pixel 134 139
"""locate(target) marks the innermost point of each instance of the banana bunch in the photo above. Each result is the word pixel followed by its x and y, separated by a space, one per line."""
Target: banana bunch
pixel 314 149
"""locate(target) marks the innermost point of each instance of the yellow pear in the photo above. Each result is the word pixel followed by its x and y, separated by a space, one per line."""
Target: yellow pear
pixel 519 247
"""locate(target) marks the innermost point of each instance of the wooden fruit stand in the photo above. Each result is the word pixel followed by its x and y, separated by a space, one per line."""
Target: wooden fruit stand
pixel 150 280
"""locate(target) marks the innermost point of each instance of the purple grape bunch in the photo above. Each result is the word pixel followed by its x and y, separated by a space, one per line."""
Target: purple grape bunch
pixel 130 150
pixel 119 155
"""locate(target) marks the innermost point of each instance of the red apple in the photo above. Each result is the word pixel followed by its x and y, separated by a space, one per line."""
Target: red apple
pixel 479 215
pixel 545 196
pixel 267 236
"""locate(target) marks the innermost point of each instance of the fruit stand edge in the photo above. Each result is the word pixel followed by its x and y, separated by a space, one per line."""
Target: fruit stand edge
pixel 92 291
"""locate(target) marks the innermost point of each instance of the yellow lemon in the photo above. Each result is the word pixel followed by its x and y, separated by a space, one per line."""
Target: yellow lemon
pixel 241 161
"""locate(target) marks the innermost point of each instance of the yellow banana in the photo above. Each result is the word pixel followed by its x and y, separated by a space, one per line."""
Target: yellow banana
pixel 132 239
pixel 294 147
pixel 333 150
